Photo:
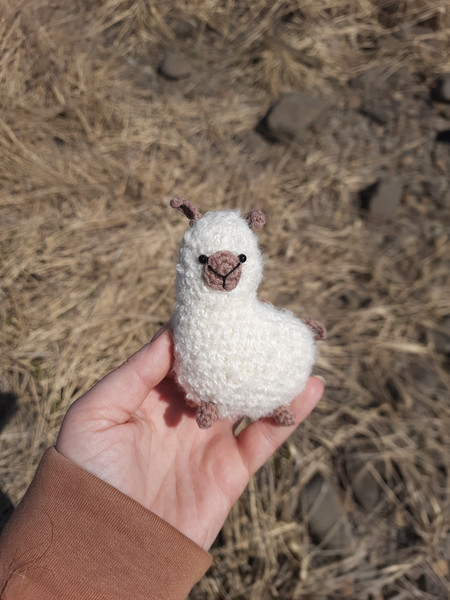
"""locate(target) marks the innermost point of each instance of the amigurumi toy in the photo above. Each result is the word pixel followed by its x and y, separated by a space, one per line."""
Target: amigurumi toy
pixel 234 354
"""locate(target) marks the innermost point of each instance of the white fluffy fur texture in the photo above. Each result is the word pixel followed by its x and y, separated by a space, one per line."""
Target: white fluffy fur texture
pixel 245 356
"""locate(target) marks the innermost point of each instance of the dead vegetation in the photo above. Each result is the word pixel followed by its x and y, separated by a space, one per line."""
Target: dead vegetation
pixel 94 143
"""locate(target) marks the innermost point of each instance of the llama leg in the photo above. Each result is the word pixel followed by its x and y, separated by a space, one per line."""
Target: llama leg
pixel 191 403
pixel 284 416
pixel 206 414
pixel 319 331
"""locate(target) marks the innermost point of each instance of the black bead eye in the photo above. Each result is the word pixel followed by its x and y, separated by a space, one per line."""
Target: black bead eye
pixel 242 258
pixel 203 259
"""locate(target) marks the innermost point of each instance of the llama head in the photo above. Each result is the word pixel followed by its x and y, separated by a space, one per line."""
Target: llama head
pixel 219 253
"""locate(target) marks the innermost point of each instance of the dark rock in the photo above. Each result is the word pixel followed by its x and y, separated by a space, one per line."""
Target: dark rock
pixel 378 114
pixel 326 518
pixel 382 198
pixel 366 489
pixel 441 90
pixel 184 29
pixel 291 115
pixel 175 66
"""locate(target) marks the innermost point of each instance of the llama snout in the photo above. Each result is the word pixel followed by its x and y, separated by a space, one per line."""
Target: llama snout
pixel 222 270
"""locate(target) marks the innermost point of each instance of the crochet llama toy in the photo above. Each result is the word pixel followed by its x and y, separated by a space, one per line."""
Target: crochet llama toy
pixel 234 354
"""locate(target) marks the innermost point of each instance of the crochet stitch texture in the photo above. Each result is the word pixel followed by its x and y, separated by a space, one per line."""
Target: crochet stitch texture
pixel 245 356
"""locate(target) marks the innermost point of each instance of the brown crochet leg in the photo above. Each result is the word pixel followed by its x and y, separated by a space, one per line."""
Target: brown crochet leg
pixel 319 331
pixel 207 414
pixel 191 403
pixel 284 416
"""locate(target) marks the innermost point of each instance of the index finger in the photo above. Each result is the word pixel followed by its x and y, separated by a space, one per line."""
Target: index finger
pixel 120 393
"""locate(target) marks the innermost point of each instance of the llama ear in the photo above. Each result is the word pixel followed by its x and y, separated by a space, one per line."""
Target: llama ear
pixel 187 208
pixel 256 219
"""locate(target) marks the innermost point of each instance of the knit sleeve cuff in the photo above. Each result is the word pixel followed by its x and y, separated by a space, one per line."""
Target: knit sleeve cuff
pixel 75 536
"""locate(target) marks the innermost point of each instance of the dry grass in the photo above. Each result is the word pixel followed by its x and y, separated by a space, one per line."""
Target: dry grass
pixel 94 143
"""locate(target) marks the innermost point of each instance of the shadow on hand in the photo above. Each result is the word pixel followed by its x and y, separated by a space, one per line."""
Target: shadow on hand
pixel 171 394
pixel 6 509
pixel 8 406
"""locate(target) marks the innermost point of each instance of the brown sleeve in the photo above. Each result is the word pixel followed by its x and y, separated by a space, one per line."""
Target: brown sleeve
pixel 74 536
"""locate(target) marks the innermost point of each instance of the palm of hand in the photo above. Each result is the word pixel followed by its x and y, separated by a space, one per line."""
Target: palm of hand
pixel 134 431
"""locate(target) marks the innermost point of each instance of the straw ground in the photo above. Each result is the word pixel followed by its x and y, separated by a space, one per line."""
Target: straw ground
pixel 94 143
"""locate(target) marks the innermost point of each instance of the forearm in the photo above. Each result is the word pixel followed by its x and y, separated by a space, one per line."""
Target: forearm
pixel 75 536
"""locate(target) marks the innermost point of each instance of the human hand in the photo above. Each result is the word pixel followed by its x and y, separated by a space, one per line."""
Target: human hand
pixel 134 430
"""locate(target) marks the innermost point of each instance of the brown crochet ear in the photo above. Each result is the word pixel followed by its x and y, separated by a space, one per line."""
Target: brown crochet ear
pixel 256 219
pixel 187 208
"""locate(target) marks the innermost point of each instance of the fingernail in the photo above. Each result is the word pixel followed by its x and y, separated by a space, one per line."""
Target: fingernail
pixel 159 332
pixel 320 378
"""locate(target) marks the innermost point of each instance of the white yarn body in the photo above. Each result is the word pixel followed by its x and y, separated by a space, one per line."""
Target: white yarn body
pixel 245 356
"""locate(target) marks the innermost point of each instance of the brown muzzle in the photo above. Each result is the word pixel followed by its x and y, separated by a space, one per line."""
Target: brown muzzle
pixel 222 270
